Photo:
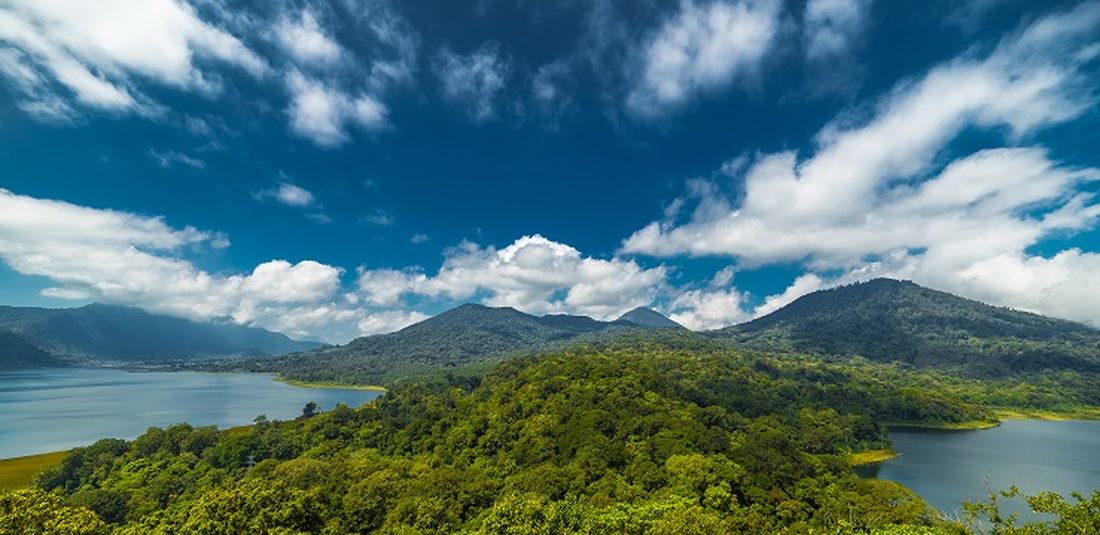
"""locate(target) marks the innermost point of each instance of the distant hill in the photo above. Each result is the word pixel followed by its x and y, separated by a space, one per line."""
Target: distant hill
pixel 99 333
pixel 16 352
pixel 464 336
pixel 647 317
pixel 890 320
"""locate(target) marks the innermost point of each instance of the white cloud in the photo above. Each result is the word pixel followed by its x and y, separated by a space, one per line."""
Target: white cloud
pixel 533 274
pixel 305 40
pixel 388 321
pixel 280 281
pixel 830 26
pixel 703 48
pixel 378 217
pixel 702 310
pixel 475 80
pixel 289 194
pixel 322 113
pixel 876 198
pixel 71 294
pixel 136 260
pixel 169 158
pixel 96 50
pixel 801 286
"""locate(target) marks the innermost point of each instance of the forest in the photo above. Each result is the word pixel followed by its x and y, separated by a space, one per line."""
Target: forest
pixel 646 437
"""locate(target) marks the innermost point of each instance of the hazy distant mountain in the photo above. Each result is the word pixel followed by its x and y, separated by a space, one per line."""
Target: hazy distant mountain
pixel 647 317
pixel 890 320
pixel 42 336
pixel 467 335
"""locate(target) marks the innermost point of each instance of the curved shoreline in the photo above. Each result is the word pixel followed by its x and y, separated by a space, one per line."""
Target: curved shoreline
pixel 336 386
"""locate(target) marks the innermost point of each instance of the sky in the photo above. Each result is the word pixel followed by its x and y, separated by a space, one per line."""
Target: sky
pixel 333 169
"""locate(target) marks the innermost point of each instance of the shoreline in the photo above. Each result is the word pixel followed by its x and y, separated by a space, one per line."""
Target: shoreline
pixel 337 386
pixel 1084 414
pixel 972 425
pixel 863 458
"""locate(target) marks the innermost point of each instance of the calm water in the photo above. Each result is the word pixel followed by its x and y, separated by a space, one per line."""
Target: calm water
pixel 949 467
pixel 49 410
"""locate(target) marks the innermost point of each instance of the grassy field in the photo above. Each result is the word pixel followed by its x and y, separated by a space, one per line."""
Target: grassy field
pixel 1083 413
pixel 306 384
pixel 20 471
pixel 958 426
pixel 870 457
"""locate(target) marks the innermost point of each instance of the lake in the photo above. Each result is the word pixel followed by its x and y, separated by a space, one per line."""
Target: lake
pixel 949 467
pixel 54 409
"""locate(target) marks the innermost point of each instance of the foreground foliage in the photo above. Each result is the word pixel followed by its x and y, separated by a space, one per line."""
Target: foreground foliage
pixel 644 438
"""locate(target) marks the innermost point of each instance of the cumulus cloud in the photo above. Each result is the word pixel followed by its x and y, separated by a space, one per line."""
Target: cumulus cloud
pixel 804 284
pixel 706 309
pixel 473 81
pixel 289 194
pixel 322 113
pixel 877 193
pixel 97 50
pixel 388 321
pixel 136 260
pixel 304 39
pixel 703 48
pixel 533 274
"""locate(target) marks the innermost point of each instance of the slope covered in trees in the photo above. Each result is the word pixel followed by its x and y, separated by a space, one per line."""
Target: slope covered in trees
pixel 888 320
pixel 97 332
pixel 649 437
pixel 469 335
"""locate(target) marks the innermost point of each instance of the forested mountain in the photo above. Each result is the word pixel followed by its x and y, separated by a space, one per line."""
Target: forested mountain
pixel 647 317
pixel 100 333
pixel 16 352
pixel 888 320
pixel 463 336
pixel 645 437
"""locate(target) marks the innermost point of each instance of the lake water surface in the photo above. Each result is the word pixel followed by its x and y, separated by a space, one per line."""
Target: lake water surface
pixel 949 467
pixel 55 409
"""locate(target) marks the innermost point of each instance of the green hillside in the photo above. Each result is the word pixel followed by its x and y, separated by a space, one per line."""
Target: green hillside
pixel 469 335
pixel 888 320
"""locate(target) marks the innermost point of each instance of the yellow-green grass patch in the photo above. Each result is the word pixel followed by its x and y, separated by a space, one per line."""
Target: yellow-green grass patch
pixel 20 471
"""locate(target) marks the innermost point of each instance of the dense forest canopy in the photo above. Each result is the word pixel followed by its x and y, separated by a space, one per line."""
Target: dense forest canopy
pixel 648 434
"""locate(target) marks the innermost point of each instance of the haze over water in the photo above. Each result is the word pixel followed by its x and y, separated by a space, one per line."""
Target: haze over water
pixel 46 410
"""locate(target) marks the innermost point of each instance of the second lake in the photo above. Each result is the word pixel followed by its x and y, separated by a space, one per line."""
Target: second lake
pixel 949 467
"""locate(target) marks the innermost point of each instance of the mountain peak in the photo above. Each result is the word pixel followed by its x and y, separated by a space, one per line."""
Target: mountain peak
pixel 647 317
pixel 895 320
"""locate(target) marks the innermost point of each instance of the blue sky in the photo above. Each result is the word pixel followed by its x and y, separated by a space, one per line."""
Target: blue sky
pixel 333 169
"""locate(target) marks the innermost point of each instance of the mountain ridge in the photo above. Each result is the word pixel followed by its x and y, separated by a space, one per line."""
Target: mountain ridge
pixel 467 335
pixel 893 320
pixel 101 332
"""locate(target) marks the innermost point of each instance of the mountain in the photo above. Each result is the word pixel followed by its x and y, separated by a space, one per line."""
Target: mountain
pixel 889 320
pixel 16 352
pixel 97 333
pixel 467 335
pixel 647 317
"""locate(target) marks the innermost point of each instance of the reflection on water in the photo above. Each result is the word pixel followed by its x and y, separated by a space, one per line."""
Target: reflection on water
pixel 949 467
pixel 55 409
